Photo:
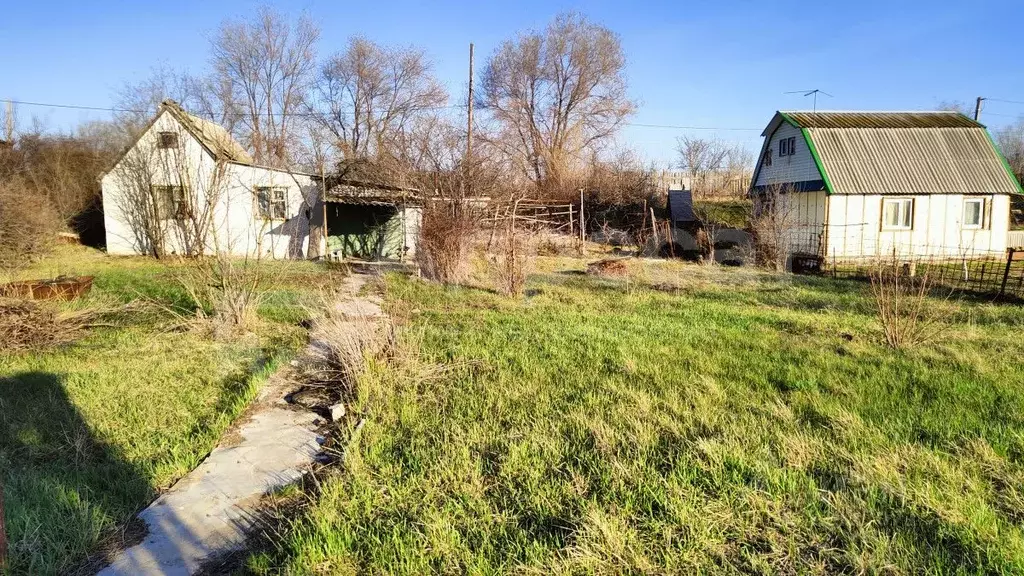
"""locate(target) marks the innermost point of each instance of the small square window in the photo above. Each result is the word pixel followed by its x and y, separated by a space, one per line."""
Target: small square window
pixel 898 214
pixel 272 203
pixel 974 212
pixel 167 140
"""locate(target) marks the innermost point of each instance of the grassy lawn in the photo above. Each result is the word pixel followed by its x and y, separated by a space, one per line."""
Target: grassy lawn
pixel 91 432
pixel 724 422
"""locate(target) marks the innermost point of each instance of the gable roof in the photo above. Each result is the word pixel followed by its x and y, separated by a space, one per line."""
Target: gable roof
pixel 213 137
pixel 901 153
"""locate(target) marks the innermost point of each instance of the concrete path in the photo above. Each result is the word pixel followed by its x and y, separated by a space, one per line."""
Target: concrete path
pixel 210 511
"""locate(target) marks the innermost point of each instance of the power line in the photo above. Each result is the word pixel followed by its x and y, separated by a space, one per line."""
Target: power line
pixel 1021 102
pixel 141 111
pixel 314 114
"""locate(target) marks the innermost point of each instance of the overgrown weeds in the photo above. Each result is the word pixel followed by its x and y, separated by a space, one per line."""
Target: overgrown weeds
pixel 905 304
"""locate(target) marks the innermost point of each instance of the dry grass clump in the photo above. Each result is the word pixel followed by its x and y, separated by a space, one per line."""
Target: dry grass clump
pixel 614 267
pixel 29 326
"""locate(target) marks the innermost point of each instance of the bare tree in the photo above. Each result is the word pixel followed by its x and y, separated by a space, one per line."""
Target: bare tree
pixel 371 98
pixel 1011 143
pixel 702 159
pixel 556 95
pixel 266 65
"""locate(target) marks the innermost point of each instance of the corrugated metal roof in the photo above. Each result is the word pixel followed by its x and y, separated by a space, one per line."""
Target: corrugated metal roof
pixel 939 119
pixel 911 161
pixel 213 136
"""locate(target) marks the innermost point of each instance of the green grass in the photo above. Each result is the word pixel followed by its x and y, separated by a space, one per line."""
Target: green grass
pixel 91 432
pixel 728 422
pixel 730 213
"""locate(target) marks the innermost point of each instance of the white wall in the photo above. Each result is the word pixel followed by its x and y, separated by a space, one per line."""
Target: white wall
pixel 238 228
pixel 855 229
pixel 799 167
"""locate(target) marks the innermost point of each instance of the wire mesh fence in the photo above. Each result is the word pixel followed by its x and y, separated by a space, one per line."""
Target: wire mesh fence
pixel 964 268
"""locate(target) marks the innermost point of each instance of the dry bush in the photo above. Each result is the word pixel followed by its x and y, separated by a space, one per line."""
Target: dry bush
pixel 772 222
pixel 445 238
pixel 226 290
pixel 904 304
pixel 615 267
pixel 28 225
pixel 512 264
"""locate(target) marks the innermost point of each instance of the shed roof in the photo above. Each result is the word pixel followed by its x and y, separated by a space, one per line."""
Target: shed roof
pixel 212 136
pixel 901 153
pixel 853 119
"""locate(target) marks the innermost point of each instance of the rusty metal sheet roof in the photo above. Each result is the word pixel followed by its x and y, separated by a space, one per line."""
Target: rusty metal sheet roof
pixel 939 119
pixel 911 160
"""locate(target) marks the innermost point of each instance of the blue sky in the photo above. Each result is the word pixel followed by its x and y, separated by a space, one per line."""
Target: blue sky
pixel 715 64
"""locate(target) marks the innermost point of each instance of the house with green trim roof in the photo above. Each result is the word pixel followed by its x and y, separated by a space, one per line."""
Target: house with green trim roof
pixel 864 184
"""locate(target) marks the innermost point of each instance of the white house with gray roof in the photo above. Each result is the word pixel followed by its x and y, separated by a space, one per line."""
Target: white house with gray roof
pixel 186 184
pixel 860 184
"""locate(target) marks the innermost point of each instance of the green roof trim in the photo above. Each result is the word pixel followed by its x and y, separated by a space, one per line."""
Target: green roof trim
pixel 817 159
pixel 787 118
pixel 1006 165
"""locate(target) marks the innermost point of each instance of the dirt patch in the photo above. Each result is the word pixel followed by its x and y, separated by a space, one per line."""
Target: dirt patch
pixel 614 267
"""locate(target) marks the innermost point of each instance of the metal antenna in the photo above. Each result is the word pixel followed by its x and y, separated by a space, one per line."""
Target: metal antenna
pixel 813 92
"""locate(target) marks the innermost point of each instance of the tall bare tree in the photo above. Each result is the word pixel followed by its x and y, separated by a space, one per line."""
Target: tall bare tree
pixel 1011 143
pixel 266 64
pixel 556 95
pixel 371 99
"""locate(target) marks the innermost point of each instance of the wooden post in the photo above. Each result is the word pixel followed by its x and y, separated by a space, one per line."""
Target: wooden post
pixel 572 231
pixel 583 228
pixel 654 227
pixel 1006 272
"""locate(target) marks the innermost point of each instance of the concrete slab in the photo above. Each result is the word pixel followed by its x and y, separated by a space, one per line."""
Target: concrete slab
pixel 210 511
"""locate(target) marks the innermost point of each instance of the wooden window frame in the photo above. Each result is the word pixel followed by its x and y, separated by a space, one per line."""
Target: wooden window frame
pixel 266 205
pixel 170 202
pixel 167 140
pixel 900 214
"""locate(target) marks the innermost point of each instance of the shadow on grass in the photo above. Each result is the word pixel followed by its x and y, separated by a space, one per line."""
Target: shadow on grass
pixel 66 491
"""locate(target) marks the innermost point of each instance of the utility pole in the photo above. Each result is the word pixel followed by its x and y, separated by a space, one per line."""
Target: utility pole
pixel 469 116
pixel 977 108
pixel 9 124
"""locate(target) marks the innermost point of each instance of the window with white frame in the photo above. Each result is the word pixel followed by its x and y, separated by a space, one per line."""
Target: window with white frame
pixel 170 202
pixel 897 213
pixel 787 146
pixel 974 213
pixel 272 202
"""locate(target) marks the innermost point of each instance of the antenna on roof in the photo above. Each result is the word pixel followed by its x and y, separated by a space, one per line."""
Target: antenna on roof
pixel 813 92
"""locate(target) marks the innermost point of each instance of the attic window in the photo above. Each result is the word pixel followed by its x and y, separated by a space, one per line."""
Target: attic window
pixel 787 146
pixel 272 203
pixel 167 140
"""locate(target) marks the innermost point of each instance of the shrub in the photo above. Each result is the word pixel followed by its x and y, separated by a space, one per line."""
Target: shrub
pixel 28 225
pixel 904 304
pixel 445 236
pixel 512 265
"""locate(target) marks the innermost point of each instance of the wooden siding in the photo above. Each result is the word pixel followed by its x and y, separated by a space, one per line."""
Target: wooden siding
pixel 799 167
